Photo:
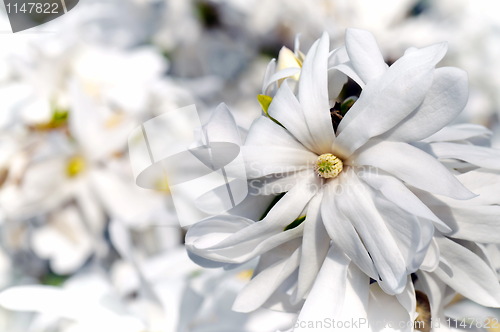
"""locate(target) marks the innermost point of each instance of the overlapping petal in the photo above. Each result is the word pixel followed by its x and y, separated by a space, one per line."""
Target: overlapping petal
pixel 313 95
pixel 442 104
pixel 385 102
pixel 414 167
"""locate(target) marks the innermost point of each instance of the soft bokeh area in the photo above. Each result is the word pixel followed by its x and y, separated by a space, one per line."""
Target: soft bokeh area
pixel 100 253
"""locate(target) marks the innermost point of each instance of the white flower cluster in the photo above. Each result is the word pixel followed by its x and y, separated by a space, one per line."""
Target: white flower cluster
pixel 371 206
pixel 408 216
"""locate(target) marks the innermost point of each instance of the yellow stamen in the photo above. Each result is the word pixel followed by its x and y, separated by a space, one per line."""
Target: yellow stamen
pixel 328 166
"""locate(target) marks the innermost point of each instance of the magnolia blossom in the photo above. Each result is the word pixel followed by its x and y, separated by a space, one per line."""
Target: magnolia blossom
pixel 355 176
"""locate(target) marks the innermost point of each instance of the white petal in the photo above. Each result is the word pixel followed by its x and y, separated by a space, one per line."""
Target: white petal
pixel 270 70
pixel 412 236
pixel 388 100
pixel 313 95
pixel 339 62
pixel 286 210
pixel 262 161
pixel 473 223
pixel 65 241
pixel 221 127
pixel 459 132
pixel 356 203
pixel 270 148
pixel 476 155
pixel 262 286
pixel 336 82
pixel 315 244
pixel 286 109
pixel 431 260
pixel 284 73
pixel 121 239
pixel 327 296
pixel 335 300
pixel 408 300
pixel 435 289
pixel 396 192
pixel 206 239
pixel 342 232
pixel 365 54
pixel 121 199
pixel 62 303
pixel 265 132
pixel 233 239
pixel 467 310
pixel 278 183
pixel 470 275
pixel 442 104
pixel 348 70
pixel 43 299
pixel 413 166
pixel 385 313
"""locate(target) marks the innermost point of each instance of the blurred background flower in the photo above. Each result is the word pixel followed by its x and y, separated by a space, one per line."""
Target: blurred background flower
pixel 75 227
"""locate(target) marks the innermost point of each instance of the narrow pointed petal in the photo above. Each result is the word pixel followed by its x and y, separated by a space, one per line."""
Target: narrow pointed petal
pixel 262 286
pixel 313 95
pixel 473 223
pixel 365 54
pixel 270 70
pixel 287 110
pixel 385 313
pixel 342 232
pixel 412 236
pixel 327 296
pixel 233 239
pixel 206 239
pixel 396 192
pixel 315 244
pixel 282 74
pixel 270 148
pixel 431 259
pixel 442 104
pixel 460 132
pixel 435 289
pixel 356 203
pixel 470 275
pixel 222 127
pixel 476 155
pixel 264 132
pixel 408 300
pixel 262 161
pixel 377 110
pixel 414 167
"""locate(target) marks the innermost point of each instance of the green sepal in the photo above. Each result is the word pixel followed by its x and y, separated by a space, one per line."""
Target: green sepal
pixel 347 104
pixel 264 102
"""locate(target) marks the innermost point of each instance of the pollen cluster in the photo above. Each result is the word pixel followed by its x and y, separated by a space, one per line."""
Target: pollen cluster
pixel 328 166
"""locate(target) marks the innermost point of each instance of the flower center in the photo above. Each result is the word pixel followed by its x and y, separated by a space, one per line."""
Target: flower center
pixel 328 166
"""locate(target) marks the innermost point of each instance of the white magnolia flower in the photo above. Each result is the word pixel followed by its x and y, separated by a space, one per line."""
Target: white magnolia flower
pixel 350 212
